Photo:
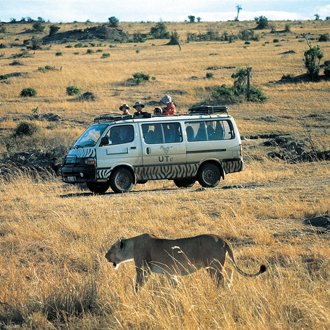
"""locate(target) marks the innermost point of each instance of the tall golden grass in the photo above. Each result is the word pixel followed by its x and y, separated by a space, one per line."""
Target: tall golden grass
pixel 53 236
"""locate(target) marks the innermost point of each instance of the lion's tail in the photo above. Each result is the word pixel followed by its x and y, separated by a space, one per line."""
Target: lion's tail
pixel 263 268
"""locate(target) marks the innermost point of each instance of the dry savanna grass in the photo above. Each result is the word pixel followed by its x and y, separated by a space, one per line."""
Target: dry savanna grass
pixel 53 236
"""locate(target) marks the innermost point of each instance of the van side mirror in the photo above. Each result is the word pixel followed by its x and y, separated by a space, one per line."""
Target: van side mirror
pixel 104 141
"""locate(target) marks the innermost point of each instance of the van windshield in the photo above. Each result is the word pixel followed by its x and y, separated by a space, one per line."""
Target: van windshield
pixel 90 136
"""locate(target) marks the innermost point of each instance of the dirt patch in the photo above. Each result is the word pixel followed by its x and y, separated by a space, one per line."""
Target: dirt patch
pixel 97 33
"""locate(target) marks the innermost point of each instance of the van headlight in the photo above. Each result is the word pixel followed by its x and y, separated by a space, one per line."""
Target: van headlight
pixel 90 161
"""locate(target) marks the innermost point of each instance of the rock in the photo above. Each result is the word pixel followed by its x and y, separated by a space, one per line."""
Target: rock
pixel 39 160
pixel 321 222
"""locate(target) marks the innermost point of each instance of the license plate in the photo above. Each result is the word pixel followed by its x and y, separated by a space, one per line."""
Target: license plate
pixel 70 178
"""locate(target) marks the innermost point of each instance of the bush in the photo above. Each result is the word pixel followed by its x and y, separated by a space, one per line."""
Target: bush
pixel 72 90
pixel 140 77
pixel 159 31
pixel 27 129
pixel 114 22
pixel 276 40
pixel 312 60
pixel 262 22
pixel 58 54
pixel 36 43
pixel 28 92
pixel 237 93
pixel 3 77
pixel 327 69
pixel 53 30
pixel 105 55
pixel 209 75
pixel 38 27
pixel 324 37
pixel 90 51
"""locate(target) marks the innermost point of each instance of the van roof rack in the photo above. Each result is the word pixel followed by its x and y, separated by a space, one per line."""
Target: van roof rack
pixel 112 117
pixel 208 109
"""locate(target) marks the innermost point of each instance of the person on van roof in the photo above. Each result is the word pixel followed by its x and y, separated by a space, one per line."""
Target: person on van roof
pixel 138 107
pixel 158 111
pixel 169 108
pixel 124 108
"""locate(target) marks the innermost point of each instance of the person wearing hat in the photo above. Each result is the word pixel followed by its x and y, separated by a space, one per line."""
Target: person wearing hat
pixel 169 108
pixel 158 111
pixel 124 108
pixel 138 107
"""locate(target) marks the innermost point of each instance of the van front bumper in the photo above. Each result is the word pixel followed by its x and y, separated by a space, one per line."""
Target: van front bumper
pixel 78 174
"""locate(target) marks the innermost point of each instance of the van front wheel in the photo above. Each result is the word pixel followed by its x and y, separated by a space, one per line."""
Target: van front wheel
pixel 121 180
pixel 209 175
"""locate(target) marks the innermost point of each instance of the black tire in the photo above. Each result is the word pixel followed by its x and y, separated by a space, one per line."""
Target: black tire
pixel 121 180
pixel 209 175
pixel 98 187
pixel 184 183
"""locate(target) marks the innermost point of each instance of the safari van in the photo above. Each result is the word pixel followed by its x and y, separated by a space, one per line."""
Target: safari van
pixel 119 151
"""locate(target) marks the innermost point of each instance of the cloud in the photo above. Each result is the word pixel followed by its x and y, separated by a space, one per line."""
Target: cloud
pixel 323 11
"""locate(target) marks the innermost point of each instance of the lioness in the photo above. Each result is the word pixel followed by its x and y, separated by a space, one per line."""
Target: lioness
pixel 178 256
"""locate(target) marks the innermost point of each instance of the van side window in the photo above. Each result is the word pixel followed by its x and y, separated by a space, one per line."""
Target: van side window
pixel 209 130
pixel 162 133
pixel 121 134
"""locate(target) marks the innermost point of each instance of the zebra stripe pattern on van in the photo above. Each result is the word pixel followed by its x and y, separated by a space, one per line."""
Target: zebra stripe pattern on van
pixel 166 172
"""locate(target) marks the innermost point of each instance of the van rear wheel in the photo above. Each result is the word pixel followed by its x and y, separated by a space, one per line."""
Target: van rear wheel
pixel 209 175
pixel 98 187
pixel 121 180
pixel 184 183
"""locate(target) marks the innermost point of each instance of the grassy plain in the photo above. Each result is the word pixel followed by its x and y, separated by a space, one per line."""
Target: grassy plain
pixel 53 236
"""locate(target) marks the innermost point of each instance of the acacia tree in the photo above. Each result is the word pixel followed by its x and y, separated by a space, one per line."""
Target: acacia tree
pixel 239 8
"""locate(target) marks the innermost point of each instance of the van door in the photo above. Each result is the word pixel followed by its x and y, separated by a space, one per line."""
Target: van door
pixel 122 147
pixel 210 139
pixel 163 151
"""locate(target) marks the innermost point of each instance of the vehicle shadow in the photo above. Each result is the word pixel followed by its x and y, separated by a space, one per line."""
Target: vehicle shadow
pixel 111 193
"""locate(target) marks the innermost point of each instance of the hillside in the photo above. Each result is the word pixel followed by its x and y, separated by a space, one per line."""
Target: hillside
pixel 54 236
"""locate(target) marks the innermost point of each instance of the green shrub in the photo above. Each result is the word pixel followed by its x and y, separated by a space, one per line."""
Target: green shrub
pixel 42 69
pixel 276 40
pixel 105 55
pixel 159 31
pixel 3 77
pixel 140 77
pixel 28 92
pixel 324 37
pixel 38 27
pixel 327 69
pixel 72 90
pixel 209 75
pixel 237 93
pixel 114 21
pixel 262 22
pixel 312 60
pixel 90 51
pixel 26 129
pixel 53 30
pixel 78 45
pixel 58 54
pixel 15 63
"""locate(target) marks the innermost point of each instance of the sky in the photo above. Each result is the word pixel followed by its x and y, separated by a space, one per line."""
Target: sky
pixel 161 10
